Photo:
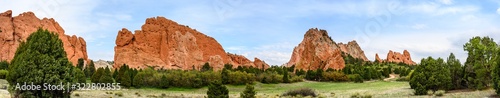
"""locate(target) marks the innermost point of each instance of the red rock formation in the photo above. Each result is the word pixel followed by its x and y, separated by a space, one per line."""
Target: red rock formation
pixel 377 59
pixel 397 57
pixel 352 48
pixel 260 64
pixel 14 30
pixel 167 44
pixel 318 50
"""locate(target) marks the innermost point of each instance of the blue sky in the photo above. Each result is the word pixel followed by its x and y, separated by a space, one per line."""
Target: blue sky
pixel 270 29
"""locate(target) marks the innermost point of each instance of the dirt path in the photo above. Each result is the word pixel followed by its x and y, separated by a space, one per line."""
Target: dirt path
pixel 391 76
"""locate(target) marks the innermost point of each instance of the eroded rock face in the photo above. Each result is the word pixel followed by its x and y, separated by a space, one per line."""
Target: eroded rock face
pixel 353 49
pixel 318 50
pixel 377 59
pixel 397 57
pixel 167 44
pixel 14 30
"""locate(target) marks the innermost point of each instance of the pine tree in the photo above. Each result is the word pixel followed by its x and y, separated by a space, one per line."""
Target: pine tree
pixel 90 69
pixel 126 81
pixel 80 63
pixel 97 75
pixel 249 92
pixel 107 77
pixel 225 76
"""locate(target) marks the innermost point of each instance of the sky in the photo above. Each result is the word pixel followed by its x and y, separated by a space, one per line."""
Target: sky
pixel 270 29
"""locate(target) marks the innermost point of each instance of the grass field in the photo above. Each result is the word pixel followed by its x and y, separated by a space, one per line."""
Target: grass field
pixel 378 89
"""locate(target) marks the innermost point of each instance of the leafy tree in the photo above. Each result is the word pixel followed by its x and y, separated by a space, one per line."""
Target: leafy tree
pixel 496 75
pixel 300 72
pixel 4 65
pixel 80 63
pixel 480 61
pixel 126 81
pixel 97 75
pixel 206 67
pixel 89 69
pixel 217 90
pixel 249 92
pixel 38 60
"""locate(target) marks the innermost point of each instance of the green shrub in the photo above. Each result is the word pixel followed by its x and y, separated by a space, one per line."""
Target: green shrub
pixel 334 76
pixel 3 74
pixel 119 94
pixel 302 92
pixel 439 93
pixel 239 78
pixel 356 78
pixel 430 92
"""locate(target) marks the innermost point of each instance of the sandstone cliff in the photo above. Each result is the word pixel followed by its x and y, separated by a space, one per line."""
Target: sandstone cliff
pixel 16 29
pixel 318 50
pixel 352 48
pixel 397 57
pixel 166 44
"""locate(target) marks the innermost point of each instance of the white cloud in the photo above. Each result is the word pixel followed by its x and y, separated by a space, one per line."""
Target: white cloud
pixel 419 26
pixel 498 11
pixel 447 2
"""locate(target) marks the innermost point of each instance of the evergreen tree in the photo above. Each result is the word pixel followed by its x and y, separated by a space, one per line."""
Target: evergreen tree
pixel 107 77
pixel 97 75
pixel 432 75
pixel 121 72
pixel 206 67
pixel 4 65
pixel 90 69
pixel 217 90
pixel 249 92
pixel 38 60
pixel 79 75
pixel 455 69
pixel 286 77
pixel 225 76
pixel 80 63
pixel 126 81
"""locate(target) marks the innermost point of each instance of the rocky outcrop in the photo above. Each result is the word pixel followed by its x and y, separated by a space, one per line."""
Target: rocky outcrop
pixel 166 44
pixel 352 48
pixel 377 59
pixel 103 64
pixel 16 29
pixel 397 57
pixel 240 60
pixel 318 50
